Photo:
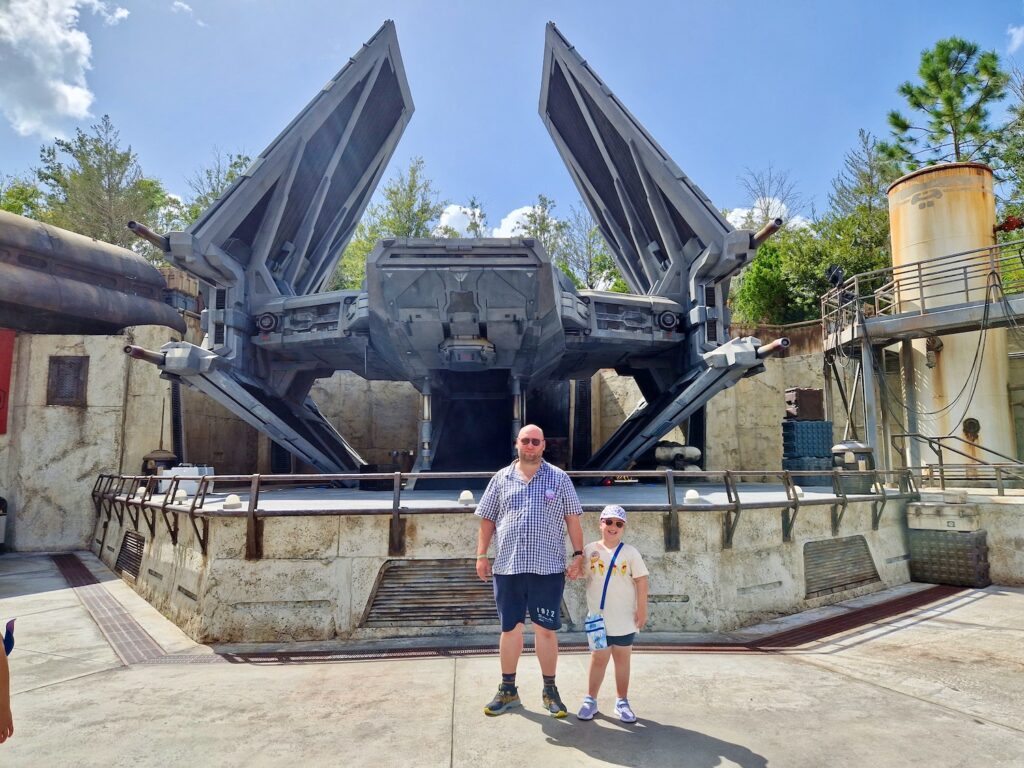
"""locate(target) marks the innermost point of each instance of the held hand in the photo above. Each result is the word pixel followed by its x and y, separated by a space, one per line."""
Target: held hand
pixel 483 569
pixel 640 617
pixel 575 570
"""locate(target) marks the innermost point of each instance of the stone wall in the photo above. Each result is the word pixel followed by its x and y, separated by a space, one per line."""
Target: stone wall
pixel 318 573
pixel 52 454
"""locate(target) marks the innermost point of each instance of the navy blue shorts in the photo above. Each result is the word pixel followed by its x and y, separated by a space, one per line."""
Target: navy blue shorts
pixel 516 593
pixel 623 640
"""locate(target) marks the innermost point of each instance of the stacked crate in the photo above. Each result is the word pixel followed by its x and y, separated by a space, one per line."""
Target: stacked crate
pixel 807 436
pixel 949 557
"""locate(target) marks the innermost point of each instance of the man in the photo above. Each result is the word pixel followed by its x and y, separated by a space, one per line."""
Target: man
pixel 527 508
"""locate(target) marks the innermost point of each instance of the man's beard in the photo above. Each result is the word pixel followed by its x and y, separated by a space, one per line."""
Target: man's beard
pixel 527 460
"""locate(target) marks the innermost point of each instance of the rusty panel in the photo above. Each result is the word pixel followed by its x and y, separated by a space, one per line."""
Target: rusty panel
pixel 129 559
pixel 425 593
pixel 834 565
pixel 67 381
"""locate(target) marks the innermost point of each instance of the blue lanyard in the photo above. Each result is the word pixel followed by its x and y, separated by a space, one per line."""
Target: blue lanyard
pixel 608 575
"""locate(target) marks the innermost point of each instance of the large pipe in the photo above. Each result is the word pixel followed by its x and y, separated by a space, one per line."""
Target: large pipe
pixel 772 347
pixel 160 241
pixel 156 358
pixel 769 229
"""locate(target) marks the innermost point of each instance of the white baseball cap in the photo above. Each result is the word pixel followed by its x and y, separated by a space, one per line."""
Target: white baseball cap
pixel 613 511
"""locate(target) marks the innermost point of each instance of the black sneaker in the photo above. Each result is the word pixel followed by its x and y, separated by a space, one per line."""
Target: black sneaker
pixel 505 699
pixel 553 702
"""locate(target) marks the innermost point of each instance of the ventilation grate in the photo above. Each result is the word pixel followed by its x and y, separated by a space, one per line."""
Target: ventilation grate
pixel 129 559
pixel 835 565
pixel 430 593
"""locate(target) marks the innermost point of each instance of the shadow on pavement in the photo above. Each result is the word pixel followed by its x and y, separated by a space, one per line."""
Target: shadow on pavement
pixel 646 742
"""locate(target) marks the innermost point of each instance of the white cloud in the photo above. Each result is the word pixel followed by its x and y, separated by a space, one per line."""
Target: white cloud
pixel 45 57
pixel 456 217
pixel 509 224
pixel 741 217
pixel 1016 38
pixel 179 7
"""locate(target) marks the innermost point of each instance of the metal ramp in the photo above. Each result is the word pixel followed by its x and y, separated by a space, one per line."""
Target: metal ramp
pixel 430 593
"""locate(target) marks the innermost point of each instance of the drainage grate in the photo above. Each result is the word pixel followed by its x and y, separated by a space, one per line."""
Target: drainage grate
pixel 430 593
pixel 834 565
pixel 129 559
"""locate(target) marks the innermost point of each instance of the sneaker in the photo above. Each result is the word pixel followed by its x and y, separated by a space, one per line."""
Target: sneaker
pixel 553 702
pixel 588 710
pixel 623 710
pixel 505 699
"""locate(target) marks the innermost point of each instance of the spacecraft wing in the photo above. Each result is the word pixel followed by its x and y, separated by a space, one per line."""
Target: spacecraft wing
pixel 656 221
pixel 284 223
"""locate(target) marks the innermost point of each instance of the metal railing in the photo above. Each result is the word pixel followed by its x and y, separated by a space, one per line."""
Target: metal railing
pixel 137 497
pixel 936 444
pixel 999 476
pixel 924 286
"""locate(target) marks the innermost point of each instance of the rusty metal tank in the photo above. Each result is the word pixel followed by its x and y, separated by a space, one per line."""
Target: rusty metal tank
pixel 935 212
pixel 55 281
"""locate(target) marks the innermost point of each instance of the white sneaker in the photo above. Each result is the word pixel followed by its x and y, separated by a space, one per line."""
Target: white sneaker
pixel 623 710
pixel 588 710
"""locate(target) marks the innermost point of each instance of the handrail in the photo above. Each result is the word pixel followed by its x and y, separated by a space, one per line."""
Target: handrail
pixel 924 286
pixel 930 439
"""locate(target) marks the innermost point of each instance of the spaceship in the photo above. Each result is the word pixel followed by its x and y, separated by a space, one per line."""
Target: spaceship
pixel 484 329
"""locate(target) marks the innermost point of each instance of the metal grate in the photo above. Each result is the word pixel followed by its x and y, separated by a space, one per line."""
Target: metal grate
pixel 67 380
pixel 430 593
pixel 834 565
pixel 129 559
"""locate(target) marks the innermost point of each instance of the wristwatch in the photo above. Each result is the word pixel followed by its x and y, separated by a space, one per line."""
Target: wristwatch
pixel 578 553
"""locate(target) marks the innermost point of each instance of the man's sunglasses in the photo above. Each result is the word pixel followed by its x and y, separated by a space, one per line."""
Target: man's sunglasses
pixel 616 523
pixel 531 440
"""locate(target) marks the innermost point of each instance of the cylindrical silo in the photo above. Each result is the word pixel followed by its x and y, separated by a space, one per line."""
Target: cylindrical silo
pixel 937 211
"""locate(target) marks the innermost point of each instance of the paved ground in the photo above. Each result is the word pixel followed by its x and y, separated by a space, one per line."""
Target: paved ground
pixel 939 686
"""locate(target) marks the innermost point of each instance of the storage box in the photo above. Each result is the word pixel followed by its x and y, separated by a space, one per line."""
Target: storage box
pixel 805 404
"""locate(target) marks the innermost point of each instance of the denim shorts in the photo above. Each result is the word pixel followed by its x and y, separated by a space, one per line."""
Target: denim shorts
pixel 516 593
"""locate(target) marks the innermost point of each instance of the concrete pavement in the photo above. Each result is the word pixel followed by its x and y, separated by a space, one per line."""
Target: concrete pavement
pixel 938 686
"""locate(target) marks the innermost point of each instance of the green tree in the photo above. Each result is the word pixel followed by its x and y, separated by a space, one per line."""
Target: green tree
pixel 94 187
pixel 585 256
pixel 21 196
pixel 410 208
pixel 211 181
pixel 958 84
pixel 477 226
pixel 540 224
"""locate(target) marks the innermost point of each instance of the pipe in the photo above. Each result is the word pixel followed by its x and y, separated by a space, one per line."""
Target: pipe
pixel 769 229
pixel 160 241
pixel 769 349
pixel 156 358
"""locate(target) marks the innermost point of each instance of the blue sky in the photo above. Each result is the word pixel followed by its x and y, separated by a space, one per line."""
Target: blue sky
pixel 722 86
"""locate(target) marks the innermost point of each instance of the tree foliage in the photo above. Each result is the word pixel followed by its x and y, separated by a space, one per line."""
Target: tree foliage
pixel 211 181
pixel 21 196
pixel 94 187
pixel 410 208
pixel 949 107
pixel 541 224
pixel 585 257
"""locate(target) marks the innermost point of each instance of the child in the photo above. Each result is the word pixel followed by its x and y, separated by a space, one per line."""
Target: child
pixel 625 608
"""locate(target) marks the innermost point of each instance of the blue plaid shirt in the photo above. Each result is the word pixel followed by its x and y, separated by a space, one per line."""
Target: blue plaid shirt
pixel 529 519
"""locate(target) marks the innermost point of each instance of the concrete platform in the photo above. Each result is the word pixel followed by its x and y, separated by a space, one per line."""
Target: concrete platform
pixel 938 686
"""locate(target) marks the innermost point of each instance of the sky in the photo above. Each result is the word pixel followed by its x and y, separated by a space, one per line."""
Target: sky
pixel 722 85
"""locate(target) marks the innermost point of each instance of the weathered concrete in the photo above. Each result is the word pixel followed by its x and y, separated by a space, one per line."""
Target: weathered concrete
pixel 317 573
pixel 936 687
pixel 52 454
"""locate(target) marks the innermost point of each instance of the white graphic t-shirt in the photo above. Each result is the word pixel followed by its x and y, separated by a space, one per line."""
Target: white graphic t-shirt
pixel 620 602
